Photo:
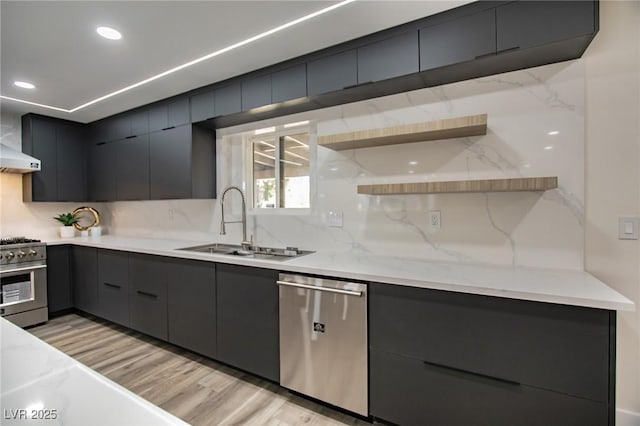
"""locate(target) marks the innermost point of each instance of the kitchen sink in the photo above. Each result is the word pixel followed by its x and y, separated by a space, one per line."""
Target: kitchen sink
pixel 266 253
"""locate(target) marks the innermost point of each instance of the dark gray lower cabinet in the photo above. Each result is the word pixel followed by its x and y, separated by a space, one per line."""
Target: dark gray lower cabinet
pixel 148 295
pixel 192 305
pixel 472 359
pixel 59 295
pixel 408 392
pixel 248 319
pixel 84 273
pixel 113 285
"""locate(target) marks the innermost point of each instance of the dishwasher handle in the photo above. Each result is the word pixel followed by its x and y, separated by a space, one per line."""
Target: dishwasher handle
pixel 315 287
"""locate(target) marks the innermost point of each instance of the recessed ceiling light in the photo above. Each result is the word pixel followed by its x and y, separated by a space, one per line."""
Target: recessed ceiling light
pixel 24 85
pixel 297 123
pixel 411 172
pixel 413 163
pixel 108 32
pixel 548 147
pixel 553 133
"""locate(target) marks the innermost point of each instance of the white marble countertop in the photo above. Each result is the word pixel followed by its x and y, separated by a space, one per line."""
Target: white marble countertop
pixel 38 381
pixel 568 287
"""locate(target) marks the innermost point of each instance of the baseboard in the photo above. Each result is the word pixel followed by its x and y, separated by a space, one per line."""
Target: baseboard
pixel 627 418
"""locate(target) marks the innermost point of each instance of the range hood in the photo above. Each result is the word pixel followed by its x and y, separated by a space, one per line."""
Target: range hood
pixel 12 161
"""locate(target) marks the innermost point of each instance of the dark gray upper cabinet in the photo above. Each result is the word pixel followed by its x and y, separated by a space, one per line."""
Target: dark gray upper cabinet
pixel 169 114
pixel 393 57
pixel 113 285
pixel 458 40
pixel 203 106
pixel 525 24
pixel 256 92
pixel 84 275
pixel 182 163
pixel 102 171
pixel 138 123
pixel 228 99
pixel 288 84
pixel 248 319
pixel 148 295
pixel 59 295
pixel 132 168
pixel 332 73
pixel 61 147
pixel 192 305
pixel 125 125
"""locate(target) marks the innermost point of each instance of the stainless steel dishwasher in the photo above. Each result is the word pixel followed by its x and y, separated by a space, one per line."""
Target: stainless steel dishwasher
pixel 323 340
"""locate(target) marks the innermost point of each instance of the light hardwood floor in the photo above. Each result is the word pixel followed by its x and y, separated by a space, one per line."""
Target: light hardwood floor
pixel 196 389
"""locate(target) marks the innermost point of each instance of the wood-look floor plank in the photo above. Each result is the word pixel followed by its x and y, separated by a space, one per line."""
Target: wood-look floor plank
pixel 197 389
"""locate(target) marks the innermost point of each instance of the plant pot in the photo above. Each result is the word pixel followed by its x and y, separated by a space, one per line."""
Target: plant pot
pixel 67 231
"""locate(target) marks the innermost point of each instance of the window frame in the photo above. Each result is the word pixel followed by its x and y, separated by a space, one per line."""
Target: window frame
pixel 279 132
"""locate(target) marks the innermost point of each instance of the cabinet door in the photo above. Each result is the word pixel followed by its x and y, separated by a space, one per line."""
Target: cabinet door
pixel 59 296
pixel 256 92
pixel 138 123
pixel 43 143
pixel 148 295
pixel 192 305
pixel 113 285
pixel 169 114
pixel 524 24
pixel 248 319
pixel 409 392
pixel 332 73
pixel 132 168
pixel 458 40
pixel 388 58
pixel 228 99
pixel 72 163
pixel 170 163
pixel 203 106
pixel 102 176
pixel 84 273
pixel 288 84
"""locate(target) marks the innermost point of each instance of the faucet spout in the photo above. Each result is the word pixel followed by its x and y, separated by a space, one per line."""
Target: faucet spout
pixel 246 245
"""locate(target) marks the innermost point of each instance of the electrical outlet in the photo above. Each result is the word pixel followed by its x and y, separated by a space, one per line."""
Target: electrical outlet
pixel 435 220
pixel 335 219
pixel 628 228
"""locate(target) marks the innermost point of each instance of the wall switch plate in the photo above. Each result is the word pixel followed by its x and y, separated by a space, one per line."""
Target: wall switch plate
pixel 334 219
pixel 628 228
pixel 434 220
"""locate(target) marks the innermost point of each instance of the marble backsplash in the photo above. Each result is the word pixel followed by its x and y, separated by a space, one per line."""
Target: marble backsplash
pixel 535 128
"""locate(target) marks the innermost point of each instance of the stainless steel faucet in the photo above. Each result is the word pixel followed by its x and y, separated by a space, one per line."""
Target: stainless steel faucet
pixel 246 245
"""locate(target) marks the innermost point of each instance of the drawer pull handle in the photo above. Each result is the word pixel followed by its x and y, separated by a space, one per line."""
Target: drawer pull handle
pixel 169 128
pixel 472 373
pixel 112 285
pixel 144 293
pixel 510 49
pixel 131 137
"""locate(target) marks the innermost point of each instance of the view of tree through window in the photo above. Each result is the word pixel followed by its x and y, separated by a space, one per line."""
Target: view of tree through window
pixel 281 170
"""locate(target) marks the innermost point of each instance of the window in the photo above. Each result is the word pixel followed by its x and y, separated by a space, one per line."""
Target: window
pixel 280 168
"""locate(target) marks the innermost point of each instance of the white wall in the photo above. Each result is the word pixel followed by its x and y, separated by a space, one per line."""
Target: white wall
pixel 613 177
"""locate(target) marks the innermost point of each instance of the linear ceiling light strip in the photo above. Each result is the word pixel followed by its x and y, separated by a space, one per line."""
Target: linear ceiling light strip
pixel 195 61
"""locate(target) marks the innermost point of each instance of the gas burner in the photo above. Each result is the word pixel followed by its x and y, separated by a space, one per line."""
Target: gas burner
pixel 17 240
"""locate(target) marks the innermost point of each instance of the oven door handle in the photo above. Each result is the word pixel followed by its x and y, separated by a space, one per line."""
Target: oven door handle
pixel 30 268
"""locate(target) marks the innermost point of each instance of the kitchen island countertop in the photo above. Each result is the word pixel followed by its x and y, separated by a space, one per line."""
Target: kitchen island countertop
pixel 561 286
pixel 41 385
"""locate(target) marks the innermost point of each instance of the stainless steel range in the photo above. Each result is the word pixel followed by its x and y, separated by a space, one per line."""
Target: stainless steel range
pixel 23 281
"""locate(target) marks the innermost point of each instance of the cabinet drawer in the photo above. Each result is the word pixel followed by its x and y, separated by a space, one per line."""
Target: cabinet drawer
pixel 556 347
pixel 113 285
pixel 409 392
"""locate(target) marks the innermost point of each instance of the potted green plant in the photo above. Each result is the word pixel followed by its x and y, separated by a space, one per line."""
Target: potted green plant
pixel 67 220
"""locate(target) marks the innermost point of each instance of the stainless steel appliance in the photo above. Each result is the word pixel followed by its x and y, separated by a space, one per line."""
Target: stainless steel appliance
pixel 323 340
pixel 23 281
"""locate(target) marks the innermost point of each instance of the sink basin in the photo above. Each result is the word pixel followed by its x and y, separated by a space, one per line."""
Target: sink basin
pixel 266 253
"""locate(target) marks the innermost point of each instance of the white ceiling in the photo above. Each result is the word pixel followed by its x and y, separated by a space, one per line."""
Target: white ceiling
pixel 53 44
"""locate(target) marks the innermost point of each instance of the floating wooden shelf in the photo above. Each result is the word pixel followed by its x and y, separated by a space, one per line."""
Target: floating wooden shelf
pixel 484 185
pixel 472 125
